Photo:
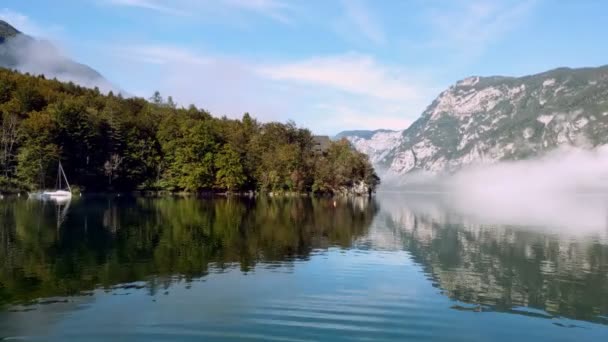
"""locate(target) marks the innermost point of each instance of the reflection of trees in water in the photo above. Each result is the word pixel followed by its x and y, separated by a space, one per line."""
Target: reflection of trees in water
pixel 505 267
pixel 125 240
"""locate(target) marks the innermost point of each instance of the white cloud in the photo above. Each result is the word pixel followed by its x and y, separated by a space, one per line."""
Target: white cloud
pixel 353 73
pixel 275 9
pixel 363 20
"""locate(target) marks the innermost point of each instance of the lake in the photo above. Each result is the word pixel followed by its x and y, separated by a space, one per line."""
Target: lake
pixel 391 268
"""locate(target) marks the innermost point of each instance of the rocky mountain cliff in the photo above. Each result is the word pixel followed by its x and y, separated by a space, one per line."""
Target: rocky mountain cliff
pixel 376 144
pixel 488 119
pixel 27 54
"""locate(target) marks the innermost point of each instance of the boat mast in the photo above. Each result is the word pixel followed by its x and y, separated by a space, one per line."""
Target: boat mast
pixel 62 172
pixel 58 180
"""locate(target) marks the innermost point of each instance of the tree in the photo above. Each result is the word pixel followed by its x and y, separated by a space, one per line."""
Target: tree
pixel 192 166
pixel 156 98
pixel 110 142
pixel 38 153
pixel 6 89
pixel 230 174
pixel 9 129
pixel 35 163
pixel 170 103
pixel 111 166
pixel 77 136
pixel 29 98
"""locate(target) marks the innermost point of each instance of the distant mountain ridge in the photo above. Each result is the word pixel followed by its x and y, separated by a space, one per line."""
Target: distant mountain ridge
pixel 363 134
pixel 482 120
pixel 376 144
pixel 27 54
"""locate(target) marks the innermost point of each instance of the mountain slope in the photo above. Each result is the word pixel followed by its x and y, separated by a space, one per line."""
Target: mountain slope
pixel 376 144
pixel 363 134
pixel 489 119
pixel 7 31
pixel 24 53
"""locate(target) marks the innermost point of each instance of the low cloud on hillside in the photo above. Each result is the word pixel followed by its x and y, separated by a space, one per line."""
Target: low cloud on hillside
pixel 568 188
pixel 40 57
pixel 568 170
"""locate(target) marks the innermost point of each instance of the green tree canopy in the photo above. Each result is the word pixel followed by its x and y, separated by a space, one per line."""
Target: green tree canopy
pixel 107 142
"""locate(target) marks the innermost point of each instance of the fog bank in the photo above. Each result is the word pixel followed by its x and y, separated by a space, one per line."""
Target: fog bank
pixel 567 188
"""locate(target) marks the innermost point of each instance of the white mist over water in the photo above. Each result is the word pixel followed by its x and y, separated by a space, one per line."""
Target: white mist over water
pixel 565 171
pixel 565 189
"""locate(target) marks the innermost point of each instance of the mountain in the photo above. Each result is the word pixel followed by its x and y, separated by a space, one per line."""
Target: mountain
pixel 489 119
pixel 27 54
pixel 7 31
pixel 363 134
pixel 376 144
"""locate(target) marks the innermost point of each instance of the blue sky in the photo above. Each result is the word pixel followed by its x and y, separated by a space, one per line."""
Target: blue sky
pixel 327 65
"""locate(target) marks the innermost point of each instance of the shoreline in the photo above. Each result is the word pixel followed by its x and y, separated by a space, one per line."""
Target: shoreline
pixel 204 194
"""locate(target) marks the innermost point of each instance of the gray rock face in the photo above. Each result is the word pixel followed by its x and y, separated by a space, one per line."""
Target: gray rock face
pixel 358 189
pixel 482 120
pixel 376 144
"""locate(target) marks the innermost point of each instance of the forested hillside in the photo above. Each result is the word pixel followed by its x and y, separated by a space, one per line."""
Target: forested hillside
pixel 110 143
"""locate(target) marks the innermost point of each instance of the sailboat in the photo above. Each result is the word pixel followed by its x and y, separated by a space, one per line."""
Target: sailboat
pixel 59 194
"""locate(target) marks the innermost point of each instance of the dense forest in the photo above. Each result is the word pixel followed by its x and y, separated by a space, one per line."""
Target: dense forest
pixel 112 143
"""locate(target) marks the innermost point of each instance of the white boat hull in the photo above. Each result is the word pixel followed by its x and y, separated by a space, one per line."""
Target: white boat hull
pixel 57 194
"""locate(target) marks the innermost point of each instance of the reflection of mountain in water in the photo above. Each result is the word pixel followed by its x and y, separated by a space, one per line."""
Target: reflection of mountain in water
pixel 106 242
pixel 499 265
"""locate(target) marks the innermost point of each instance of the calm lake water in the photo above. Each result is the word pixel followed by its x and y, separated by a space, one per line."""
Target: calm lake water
pixel 397 267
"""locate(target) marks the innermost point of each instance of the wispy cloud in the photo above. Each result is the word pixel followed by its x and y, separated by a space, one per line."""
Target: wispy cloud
pixel 160 54
pixel 328 93
pixel 370 115
pixel 155 5
pixel 470 27
pixel 353 73
pixel 223 85
pixel 275 9
pixel 362 19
